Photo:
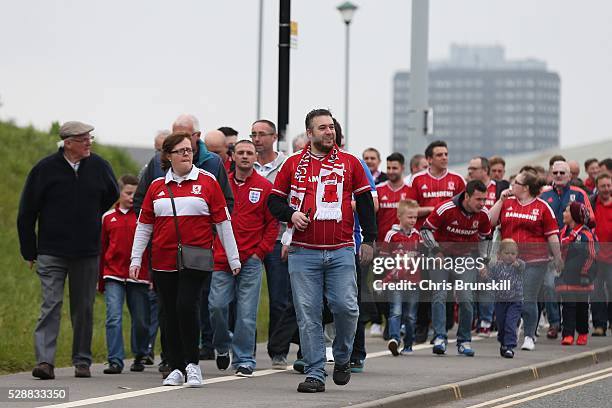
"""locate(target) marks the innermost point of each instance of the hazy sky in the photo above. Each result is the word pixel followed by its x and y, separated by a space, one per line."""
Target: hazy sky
pixel 130 67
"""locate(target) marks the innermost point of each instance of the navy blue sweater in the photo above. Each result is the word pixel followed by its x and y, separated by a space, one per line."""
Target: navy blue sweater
pixel 68 207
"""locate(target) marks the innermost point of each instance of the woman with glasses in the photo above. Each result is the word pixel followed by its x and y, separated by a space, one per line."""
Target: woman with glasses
pixel 199 205
pixel 529 221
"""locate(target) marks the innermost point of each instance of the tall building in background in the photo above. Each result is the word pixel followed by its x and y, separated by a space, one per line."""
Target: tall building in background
pixel 484 104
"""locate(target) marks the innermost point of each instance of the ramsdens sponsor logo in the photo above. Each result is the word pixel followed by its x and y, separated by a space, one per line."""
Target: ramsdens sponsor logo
pixel 435 194
pixel 530 217
pixel 389 205
pixel 460 231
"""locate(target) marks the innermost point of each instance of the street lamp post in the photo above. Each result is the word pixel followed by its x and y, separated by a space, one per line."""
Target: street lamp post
pixel 346 9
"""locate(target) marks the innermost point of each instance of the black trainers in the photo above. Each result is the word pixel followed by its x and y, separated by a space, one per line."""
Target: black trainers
pixel 311 385
pixel 244 371
pixel 421 334
pixel 164 369
pixel 149 359
pixel 506 352
pixel 342 373
pixel 44 371
pixel 224 360
pixel 113 368
pixel 137 365
pixel 82 371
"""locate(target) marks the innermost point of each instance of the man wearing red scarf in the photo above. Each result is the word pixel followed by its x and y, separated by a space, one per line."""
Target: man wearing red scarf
pixel 312 192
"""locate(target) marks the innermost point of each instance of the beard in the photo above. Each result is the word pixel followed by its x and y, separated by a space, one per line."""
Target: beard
pixel 322 148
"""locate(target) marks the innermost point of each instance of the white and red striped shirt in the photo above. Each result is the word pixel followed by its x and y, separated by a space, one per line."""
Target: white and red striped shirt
pixel 199 204
pixel 529 224
pixel 324 234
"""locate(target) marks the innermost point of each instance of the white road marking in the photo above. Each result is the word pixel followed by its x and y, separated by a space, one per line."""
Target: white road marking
pixel 545 393
pixel 156 390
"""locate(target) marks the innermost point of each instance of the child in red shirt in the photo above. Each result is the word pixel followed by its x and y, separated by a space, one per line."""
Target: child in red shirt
pixel 118 227
pixel 403 239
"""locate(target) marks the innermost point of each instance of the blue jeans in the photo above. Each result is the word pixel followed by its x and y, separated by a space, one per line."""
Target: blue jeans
pixel 206 330
pixel 552 299
pixel 154 313
pixel 533 279
pixel 245 288
pixel 137 295
pixel 403 309
pixel 277 278
pixel 508 315
pixel 330 273
pixel 465 299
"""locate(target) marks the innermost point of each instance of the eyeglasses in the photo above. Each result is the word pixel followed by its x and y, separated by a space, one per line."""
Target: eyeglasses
pixel 557 173
pixel 183 151
pixel 82 139
pixel 261 134
pixel 518 183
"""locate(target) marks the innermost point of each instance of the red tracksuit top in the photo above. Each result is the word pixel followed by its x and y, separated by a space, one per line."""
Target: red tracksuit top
pixel 255 229
pixel 117 239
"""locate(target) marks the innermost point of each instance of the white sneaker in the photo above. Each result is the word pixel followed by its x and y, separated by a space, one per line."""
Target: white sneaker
pixel 194 375
pixel 175 378
pixel 376 330
pixel 329 354
pixel 528 344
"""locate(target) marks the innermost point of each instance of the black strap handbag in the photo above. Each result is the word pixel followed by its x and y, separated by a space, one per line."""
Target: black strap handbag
pixel 189 256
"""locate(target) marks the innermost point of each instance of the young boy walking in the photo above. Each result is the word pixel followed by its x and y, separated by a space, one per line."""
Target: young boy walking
pixel 403 239
pixel 118 227
pixel 508 303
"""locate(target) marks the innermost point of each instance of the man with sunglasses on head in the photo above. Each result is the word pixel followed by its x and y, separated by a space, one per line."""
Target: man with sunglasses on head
pixel 66 194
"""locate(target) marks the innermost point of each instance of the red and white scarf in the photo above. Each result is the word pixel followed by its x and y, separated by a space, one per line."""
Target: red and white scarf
pixel 330 183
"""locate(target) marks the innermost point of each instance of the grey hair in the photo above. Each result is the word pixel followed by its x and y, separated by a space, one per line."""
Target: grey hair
pixel 188 119
pixel 296 139
pixel 163 132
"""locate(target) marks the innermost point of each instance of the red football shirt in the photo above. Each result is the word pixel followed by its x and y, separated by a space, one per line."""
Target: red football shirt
pixel 429 191
pixel 400 242
pixel 452 224
pixel 327 234
pixel 603 230
pixel 118 230
pixel 388 201
pixel 199 204
pixel 491 194
pixel 255 229
pixel 530 224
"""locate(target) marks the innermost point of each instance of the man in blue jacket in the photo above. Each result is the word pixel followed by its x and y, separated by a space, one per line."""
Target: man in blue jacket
pixel 66 194
pixel 558 197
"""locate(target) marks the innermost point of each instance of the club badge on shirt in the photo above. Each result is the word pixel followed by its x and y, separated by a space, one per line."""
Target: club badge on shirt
pixel 196 189
pixel 254 196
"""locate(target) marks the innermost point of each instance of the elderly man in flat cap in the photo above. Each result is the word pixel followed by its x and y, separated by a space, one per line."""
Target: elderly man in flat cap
pixel 66 194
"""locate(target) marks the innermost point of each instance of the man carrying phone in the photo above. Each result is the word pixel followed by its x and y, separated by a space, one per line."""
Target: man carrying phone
pixel 312 192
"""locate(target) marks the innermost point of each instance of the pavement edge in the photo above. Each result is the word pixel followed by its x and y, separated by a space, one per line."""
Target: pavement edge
pixel 491 382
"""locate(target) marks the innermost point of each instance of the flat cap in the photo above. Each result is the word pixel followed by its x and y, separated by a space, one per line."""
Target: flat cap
pixel 74 128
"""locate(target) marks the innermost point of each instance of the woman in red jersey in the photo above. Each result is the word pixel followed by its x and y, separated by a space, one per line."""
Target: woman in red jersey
pixel 530 222
pixel 200 205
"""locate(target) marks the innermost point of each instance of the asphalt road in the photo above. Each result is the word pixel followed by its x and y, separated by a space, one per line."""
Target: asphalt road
pixel 586 388
pixel 384 376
